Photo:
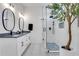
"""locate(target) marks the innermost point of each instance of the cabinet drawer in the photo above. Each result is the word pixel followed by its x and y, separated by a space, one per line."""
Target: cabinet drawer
pixel 19 47
pixel 22 44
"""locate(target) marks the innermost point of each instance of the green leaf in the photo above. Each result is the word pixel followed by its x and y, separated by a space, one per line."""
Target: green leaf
pixel 56 6
pixel 62 10
pixel 77 10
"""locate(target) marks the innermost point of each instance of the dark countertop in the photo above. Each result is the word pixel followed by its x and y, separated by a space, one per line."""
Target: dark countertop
pixel 14 34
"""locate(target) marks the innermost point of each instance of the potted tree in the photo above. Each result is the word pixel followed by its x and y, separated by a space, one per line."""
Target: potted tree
pixel 62 12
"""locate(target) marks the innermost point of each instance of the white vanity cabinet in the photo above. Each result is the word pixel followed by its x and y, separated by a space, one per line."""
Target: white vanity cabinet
pixel 22 43
pixel 14 46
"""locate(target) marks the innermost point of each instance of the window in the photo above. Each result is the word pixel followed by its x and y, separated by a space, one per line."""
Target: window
pixel 61 24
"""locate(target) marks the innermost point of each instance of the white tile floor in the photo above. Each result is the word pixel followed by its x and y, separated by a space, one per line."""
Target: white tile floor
pixel 64 52
pixel 37 48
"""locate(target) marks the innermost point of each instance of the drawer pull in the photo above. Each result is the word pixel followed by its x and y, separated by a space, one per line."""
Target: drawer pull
pixel 22 44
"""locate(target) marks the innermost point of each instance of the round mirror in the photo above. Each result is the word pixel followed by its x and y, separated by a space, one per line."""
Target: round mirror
pixel 21 24
pixel 8 19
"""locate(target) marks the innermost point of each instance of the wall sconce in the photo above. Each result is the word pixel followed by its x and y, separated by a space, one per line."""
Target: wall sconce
pixel 20 14
pixel 11 6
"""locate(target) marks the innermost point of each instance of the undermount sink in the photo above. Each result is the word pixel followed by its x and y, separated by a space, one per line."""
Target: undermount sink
pixel 15 35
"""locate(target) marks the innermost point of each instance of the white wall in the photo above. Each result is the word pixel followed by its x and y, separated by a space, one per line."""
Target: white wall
pixel 34 14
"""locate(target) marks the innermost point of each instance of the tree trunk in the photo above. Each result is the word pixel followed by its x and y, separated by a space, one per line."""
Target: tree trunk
pixel 70 36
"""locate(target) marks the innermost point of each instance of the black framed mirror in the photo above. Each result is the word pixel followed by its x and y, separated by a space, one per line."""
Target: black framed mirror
pixel 21 24
pixel 8 20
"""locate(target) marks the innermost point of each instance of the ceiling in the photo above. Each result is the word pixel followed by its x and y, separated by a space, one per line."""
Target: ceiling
pixel 33 4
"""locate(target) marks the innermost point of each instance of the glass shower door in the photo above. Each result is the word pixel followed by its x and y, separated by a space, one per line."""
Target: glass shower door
pixel 50 34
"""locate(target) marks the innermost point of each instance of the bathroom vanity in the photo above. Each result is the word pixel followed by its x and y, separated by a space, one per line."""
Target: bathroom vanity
pixel 15 44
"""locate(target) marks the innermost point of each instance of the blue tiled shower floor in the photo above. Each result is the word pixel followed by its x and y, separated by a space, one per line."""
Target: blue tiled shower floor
pixel 52 46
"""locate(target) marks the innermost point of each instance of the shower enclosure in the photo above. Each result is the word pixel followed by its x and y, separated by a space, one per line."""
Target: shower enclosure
pixel 51 45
